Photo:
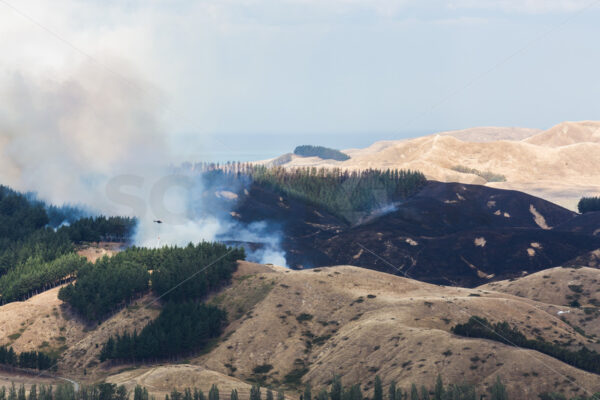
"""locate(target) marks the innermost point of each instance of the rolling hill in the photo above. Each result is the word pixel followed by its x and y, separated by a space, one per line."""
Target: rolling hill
pixel 305 326
pixel 559 164
pixel 447 233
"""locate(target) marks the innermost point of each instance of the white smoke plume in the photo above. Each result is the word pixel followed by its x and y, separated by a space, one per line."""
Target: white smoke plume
pixel 97 140
pixel 64 137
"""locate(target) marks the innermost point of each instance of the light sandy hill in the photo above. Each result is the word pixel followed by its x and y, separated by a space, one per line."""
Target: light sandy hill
pixel 160 380
pixel 568 133
pixel 39 323
pixel 81 357
pixel 560 164
pixel 358 323
pixel 563 287
pixel 491 133
pixel 314 323
pixel 558 286
pixel 44 323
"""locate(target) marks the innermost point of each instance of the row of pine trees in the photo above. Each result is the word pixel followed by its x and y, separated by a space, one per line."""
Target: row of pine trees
pixel 347 194
pixel 589 204
pixel 335 391
pixel 35 255
pixel 112 282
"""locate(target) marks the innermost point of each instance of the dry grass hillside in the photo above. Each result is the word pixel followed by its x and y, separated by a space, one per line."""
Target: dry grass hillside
pixel 299 326
pixel 359 323
pixel 559 164
pixel 565 287
pixel 492 133
pixel 160 380
pixel 560 286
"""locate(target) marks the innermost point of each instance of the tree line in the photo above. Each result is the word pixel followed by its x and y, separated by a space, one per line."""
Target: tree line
pixel 346 194
pixel 183 277
pixel 100 391
pixel 341 192
pixel 336 391
pixel 180 329
pixel 588 204
pixel 34 276
pixel 26 359
pixel 478 327
pixel 112 282
pixel 33 255
pixel 104 287
pixel 100 229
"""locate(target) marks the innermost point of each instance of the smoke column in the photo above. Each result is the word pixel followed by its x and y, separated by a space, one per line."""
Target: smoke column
pixel 98 140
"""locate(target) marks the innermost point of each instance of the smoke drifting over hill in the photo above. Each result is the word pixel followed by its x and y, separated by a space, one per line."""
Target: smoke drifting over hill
pixel 65 137
pixel 96 139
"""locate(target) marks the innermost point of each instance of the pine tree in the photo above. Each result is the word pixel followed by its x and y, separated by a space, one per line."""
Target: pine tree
pixel 414 392
pixel 439 389
pixel 33 393
pixel 12 392
pixel 424 393
pixel 323 394
pixel 121 393
pixel 234 395
pixel 254 392
pixel 199 394
pixel 401 395
pixel 213 393
pixel 336 388
pixel 269 394
pixel 392 391
pixel 138 393
pixel 176 395
pixel 356 392
pixel 21 395
pixel 498 390
pixel 307 392
pixel 377 390
pixel 280 395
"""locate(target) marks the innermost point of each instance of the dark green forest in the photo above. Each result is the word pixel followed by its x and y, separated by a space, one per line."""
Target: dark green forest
pixel 101 228
pixel 343 193
pixel 178 274
pixel 34 275
pixel 105 287
pixel 27 359
pixel 33 255
pixel 182 277
pixel 180 329
pixel 478 327
pixel 195 270
pixel 347 194
pixel 325 153
pixel 588 204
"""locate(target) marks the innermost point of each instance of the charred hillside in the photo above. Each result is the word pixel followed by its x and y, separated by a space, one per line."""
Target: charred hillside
pixel 446 233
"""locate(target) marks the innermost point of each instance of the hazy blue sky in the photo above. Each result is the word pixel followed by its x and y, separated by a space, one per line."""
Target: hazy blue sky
pixel 362 70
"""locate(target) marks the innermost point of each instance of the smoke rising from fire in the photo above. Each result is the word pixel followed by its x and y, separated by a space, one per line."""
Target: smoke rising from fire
pixel 98 140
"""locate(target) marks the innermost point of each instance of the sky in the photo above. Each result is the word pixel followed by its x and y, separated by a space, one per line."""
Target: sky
pixel 247 79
